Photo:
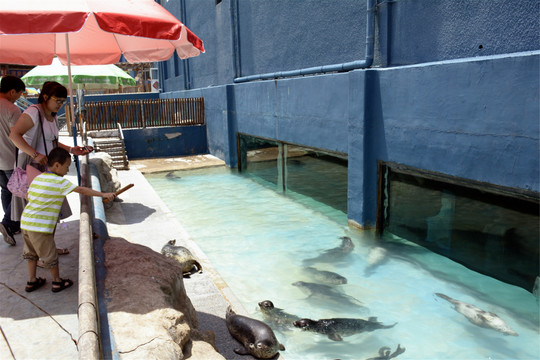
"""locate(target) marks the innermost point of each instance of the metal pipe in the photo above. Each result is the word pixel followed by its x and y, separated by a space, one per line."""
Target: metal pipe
pixel 359 64
pixel 88 341
pixel 185 62
pixel 235 38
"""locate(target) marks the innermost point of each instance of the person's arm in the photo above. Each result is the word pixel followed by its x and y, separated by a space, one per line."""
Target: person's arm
pixel 23 124
pixel 77 150
pixel 91 192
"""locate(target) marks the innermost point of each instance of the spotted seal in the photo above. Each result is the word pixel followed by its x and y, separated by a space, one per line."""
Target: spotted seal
pixel 277 317
pixel 338 327
pixel 479 317
pixel 183 256
pixel 257 338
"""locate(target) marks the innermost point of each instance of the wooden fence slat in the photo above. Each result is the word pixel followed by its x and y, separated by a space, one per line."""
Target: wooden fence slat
pixel 133 114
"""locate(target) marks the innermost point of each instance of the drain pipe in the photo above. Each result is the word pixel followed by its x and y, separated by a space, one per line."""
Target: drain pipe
pixel 359 64
pixel 185 62
pixel 235 38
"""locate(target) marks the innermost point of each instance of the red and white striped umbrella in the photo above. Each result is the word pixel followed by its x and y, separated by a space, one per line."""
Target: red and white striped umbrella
pixel 91 32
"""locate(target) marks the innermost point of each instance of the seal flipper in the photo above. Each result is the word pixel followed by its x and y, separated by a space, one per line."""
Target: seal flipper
pixel 281 347
pixel 242 351
pixel 199 267
pixel 335 337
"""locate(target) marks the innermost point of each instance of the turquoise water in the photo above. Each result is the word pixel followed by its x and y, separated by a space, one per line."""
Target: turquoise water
pixel 259 241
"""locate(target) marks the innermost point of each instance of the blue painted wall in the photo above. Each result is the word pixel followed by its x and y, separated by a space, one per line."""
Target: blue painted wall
pixel 165 141
pixel 454 87
pixel 283 35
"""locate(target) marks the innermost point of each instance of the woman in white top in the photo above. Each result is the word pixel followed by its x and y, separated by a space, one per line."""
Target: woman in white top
pixel 34 145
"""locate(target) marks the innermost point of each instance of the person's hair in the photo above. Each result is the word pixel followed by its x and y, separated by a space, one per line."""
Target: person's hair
pixel 10 82
pixel 57 155
pixel 52 88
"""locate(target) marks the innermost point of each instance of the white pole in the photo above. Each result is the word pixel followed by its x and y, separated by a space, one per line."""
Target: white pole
pixel 72 107
pixel 71 102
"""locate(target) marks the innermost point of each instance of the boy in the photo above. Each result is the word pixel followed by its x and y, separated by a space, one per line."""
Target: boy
pixel 39 218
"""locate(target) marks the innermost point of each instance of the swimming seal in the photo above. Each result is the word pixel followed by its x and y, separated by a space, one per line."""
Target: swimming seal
pixel 479 317
pixel 338 327
pixel 276 316
pixel 385 353
pixel 334 255
pixel 326 277
pixel 258 338
pixel 327 293
pixel 183 256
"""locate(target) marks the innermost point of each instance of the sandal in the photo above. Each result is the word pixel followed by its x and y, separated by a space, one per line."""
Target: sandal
pixel 62 284
pixel 34 285
pixel 63 251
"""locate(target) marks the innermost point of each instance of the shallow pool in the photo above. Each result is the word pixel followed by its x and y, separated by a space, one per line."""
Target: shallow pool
pixel 261 242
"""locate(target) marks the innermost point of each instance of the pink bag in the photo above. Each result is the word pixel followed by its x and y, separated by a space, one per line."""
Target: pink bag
pixel 20 180
pixel 17 184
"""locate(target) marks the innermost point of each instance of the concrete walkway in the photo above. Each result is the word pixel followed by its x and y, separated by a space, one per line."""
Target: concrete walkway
pixel 44 325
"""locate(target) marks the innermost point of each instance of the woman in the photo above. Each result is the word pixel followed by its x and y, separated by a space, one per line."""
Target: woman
pixel 36 133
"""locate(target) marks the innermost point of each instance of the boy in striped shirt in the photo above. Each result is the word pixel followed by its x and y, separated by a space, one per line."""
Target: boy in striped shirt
pixel 40 216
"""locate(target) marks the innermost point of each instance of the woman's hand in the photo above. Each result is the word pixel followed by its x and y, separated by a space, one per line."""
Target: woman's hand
pixel 81 150
pixel 40 158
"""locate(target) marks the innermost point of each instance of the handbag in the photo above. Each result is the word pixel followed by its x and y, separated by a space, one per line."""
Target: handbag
pixel 20 179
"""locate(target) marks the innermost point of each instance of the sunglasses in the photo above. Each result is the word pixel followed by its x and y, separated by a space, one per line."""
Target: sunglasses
pixel 59 101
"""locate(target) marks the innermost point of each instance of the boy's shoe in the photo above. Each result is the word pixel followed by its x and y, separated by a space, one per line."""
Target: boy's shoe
pixel 8 236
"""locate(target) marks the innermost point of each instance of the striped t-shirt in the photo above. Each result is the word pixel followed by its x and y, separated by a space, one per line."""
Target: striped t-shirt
pixel 45 197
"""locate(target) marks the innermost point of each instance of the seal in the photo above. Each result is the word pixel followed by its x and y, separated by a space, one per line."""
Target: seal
pixel 326 277
pixel 183 256
pixel 328 294
pixel 277 317
pixel 336 328
pixel 377 255
pixel 258 338
pixel 479 317
pixel 385 353
pixel 335 254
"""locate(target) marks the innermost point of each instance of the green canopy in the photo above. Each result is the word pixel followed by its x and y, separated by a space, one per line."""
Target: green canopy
pixel 93 77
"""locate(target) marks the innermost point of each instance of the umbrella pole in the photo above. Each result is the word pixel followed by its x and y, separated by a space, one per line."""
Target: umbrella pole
pixel 72 107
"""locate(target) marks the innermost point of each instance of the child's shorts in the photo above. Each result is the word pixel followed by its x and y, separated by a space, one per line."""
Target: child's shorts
pixel 40 246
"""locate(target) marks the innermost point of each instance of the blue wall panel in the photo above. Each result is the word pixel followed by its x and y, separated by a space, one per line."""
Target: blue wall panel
pixel 311 111
pixel 165 142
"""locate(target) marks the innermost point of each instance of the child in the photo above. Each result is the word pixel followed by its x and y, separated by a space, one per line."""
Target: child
pixel 39 218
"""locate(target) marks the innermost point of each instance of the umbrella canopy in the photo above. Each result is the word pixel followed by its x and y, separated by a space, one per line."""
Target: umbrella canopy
pixel 99 32
pixel 91 76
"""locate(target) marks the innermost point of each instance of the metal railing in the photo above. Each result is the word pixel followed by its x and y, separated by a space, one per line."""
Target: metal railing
pixel 134 114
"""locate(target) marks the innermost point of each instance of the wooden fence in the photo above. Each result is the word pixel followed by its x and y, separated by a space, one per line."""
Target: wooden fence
pixel 136 114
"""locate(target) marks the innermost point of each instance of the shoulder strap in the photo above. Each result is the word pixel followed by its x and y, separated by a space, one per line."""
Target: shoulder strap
pixel 42 133
pixel 34 141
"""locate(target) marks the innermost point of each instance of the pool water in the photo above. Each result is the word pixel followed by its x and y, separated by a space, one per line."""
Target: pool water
pixel 260 241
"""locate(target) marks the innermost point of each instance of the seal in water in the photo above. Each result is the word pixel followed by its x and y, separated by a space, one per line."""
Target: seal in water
pixel 326 277
pixel 257 337
pixel 327 293
pixel 334 255
pixel 479 317
pixel 385 353
pixel 338 327
pixel 276 316
pixel 376 257
pixel 183 256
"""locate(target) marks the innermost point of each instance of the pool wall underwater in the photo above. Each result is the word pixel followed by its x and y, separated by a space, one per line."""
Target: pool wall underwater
pixel 474 118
